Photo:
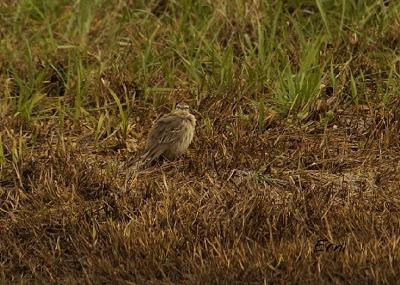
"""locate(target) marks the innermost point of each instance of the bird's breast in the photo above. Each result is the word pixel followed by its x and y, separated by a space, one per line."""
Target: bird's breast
pixel 187 136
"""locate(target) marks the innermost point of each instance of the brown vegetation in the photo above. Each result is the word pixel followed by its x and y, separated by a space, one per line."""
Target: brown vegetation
pixel 262 183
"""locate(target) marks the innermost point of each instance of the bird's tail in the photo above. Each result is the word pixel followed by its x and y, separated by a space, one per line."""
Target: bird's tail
pixel 136 165
pixel 151 155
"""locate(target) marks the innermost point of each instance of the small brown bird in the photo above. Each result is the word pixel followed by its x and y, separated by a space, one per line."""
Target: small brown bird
pixel 170 135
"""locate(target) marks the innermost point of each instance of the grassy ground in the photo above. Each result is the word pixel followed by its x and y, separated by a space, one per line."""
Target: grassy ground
pixel 297 141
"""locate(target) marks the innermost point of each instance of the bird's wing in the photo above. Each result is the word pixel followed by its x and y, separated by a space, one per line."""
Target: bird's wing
pixel 167 129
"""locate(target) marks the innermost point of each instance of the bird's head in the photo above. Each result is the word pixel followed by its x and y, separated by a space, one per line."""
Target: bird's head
pixel 182 107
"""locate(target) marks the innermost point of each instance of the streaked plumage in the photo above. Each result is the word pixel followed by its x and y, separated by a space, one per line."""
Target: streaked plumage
pixel 170 135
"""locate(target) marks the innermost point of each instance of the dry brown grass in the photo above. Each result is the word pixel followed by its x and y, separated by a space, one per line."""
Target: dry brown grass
pixel 262 184
pixel 239 208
